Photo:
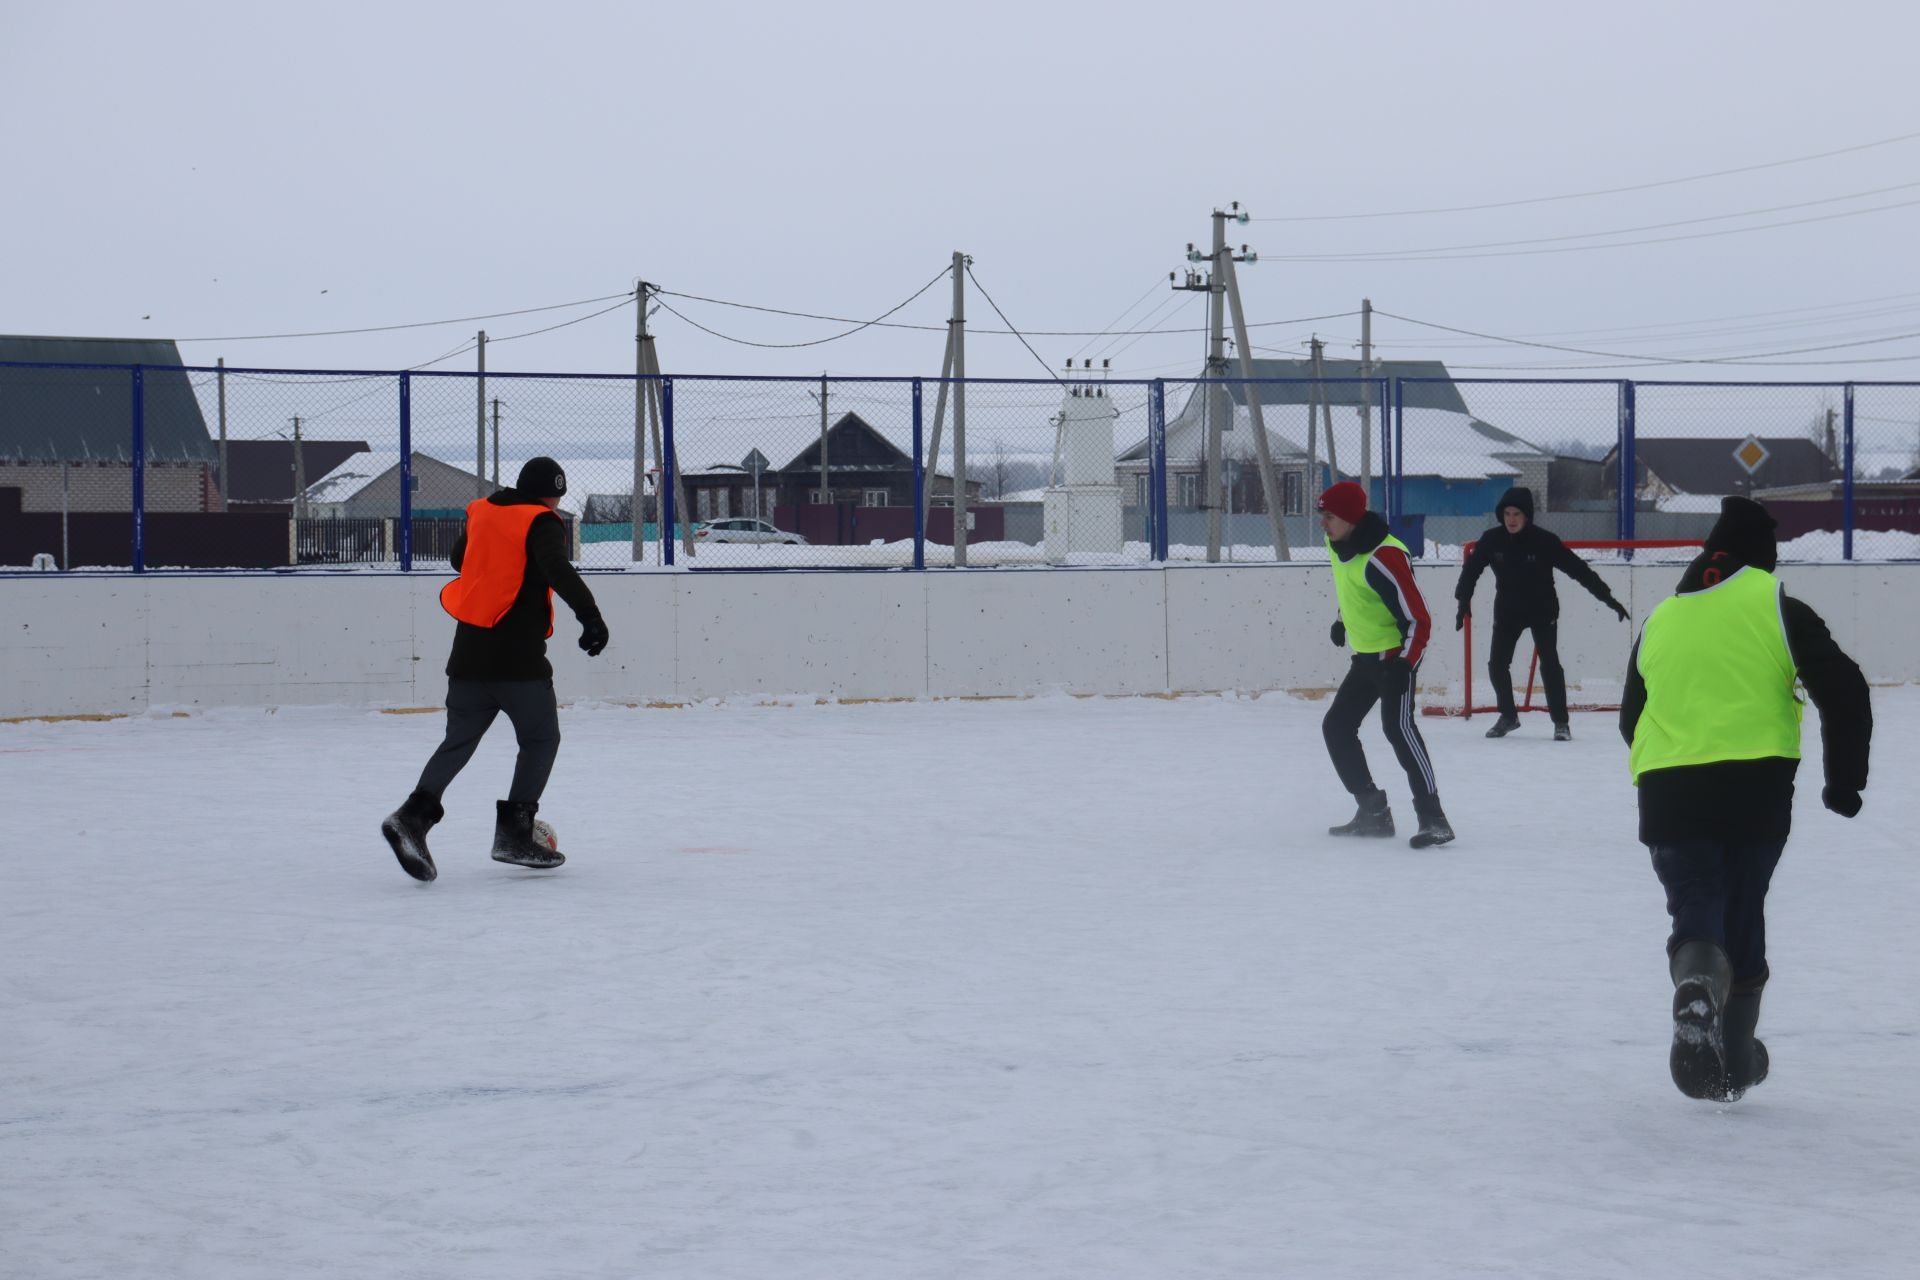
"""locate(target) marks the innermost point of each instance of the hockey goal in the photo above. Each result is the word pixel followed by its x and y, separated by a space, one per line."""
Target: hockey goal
pixel 1593 647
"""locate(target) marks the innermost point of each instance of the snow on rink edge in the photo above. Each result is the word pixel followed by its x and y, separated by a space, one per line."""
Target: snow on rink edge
pixel 1056 987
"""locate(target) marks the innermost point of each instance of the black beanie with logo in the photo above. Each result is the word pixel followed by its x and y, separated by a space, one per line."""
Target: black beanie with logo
pixel 542 478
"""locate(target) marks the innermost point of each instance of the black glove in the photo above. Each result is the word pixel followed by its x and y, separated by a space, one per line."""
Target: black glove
pixel 1617 607
pixel 1338 633
pixel 1396 675
pixel 1460 618
pixel 593 634
pixel 1842 801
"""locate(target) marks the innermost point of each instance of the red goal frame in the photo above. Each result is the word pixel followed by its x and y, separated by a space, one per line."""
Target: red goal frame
pixel 1466 709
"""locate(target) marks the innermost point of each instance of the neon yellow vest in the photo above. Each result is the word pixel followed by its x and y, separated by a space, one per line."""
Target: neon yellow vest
pixel 1370 624
pixel 1719 678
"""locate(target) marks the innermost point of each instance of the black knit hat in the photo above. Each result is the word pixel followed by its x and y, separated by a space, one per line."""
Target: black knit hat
pixel 1745 532
pixel 542 478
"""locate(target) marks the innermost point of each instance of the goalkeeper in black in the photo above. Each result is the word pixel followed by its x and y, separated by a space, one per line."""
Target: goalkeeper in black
pixel 1523 557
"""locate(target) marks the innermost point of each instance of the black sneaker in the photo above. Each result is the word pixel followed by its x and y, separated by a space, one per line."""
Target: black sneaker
pixel 1563 733
pixel 1434 827
pixel 1373 818
pixel 1504 726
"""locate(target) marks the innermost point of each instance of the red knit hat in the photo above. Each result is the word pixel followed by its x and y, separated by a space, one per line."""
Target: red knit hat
pixel 1346 500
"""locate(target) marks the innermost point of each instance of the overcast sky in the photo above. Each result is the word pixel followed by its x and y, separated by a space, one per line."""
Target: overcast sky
pixel 201 170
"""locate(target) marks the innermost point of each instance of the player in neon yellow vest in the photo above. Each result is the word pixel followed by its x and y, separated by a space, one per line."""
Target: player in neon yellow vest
pixel 1384 620
pixel 1711 717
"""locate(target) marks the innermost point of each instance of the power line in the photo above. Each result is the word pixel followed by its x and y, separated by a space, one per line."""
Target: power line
pixel 1151 290
pixel 941 328
pixel 1591 235
pixel 1647 360
pixel 1605 191
pixel 1620 244
pixel 1016 333
pixel 857 325
pixel 422 324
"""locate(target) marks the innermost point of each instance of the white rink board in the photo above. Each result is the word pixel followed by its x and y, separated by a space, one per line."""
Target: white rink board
pixel 119 645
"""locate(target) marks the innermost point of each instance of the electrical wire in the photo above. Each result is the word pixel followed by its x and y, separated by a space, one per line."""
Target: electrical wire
pixel 1619 244
pixel 857 326
pixel 423 324
pixel 1121 318
pixel 941 328
pixel 1591 235
pixel 1645 360
pixel 1016 333
pixel 1606 191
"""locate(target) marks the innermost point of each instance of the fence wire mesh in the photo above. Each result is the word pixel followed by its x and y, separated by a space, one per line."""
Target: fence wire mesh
pixel 249 468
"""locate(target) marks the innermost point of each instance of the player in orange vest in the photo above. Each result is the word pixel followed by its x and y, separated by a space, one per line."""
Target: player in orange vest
pixel 511 560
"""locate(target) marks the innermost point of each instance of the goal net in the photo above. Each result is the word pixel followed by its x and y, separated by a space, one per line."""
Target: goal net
pixel 1594 644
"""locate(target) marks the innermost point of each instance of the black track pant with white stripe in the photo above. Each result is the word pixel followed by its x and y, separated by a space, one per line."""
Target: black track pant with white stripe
pixel 1357 693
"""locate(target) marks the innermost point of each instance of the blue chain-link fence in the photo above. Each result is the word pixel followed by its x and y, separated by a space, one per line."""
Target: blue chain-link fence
pixel 149 467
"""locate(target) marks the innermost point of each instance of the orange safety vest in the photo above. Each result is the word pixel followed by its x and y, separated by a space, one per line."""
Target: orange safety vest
pixel 495 564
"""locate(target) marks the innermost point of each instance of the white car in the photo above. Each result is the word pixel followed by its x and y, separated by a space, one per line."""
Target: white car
pixel 744 530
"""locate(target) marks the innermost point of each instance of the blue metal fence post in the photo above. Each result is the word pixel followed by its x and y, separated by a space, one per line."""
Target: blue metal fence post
pixel 1846 475
pixel 1390 495
pixel 919 481
pixel 1159 536
pixel 406 473
pixel 1628 481
pixel 669 525
pixel 139 469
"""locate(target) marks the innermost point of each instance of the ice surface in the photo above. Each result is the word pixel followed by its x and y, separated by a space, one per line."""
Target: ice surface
pixel 1055 988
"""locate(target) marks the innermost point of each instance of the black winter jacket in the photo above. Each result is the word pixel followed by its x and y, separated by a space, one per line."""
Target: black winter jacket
pixel 1523 565
pixel 515 648
pixel 1751 801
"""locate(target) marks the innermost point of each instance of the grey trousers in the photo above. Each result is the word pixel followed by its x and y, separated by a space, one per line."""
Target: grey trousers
pixel 471 708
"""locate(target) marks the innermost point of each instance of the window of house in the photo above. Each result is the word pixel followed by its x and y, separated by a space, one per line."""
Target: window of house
pixel 1139 491
pixel 1292 484
pixel 816 498
pixel 1189 488
pixel 873 497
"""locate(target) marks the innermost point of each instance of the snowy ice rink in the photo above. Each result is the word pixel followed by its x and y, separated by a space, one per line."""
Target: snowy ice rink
pixel 1056 988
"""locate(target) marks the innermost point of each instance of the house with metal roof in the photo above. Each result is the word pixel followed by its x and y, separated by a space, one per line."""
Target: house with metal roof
pixel 66 433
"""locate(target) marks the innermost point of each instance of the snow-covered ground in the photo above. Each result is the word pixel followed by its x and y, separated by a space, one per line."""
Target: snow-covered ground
pixel 1054 988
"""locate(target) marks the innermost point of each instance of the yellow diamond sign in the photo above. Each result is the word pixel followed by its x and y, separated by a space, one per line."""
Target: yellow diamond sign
pixel 1751 454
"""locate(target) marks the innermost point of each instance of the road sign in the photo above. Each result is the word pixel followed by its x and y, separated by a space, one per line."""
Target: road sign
pixel 755 461
pixel 1751 454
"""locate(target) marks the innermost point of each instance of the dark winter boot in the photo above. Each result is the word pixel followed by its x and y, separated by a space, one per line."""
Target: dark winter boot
pixel 406 830
pixel 1563 733
pixel 1504 726
pixel 1746 1056
pixel 513 836
pixel 1702 979
pixel 1373 818
pixel 1434 827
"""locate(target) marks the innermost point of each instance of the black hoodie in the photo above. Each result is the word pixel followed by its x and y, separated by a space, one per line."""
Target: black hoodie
pixel 1751 801
pixel 515 648
pixel 1523 565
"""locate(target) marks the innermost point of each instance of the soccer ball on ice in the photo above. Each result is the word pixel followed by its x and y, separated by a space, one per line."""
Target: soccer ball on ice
pixel 543 834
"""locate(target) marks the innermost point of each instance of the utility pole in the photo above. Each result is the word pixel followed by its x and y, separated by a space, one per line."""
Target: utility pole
pixel 959 330
pixel 496 442
pixel 480 424
pixel 826 484
pixel 1366 401
pixel 642 397
pixel 1214 408
pixel 1326 406
pixel 650 365
pixel 224 473
pixel 299 475
pixel 1262 446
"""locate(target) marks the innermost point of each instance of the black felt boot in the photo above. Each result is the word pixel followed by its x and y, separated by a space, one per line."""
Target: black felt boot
pixel 1504 726
pixel 1373 818
pixel 1434 827
pixel 1702 981
pixel 1746 1055
pixel 406 831
pixel 513 836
